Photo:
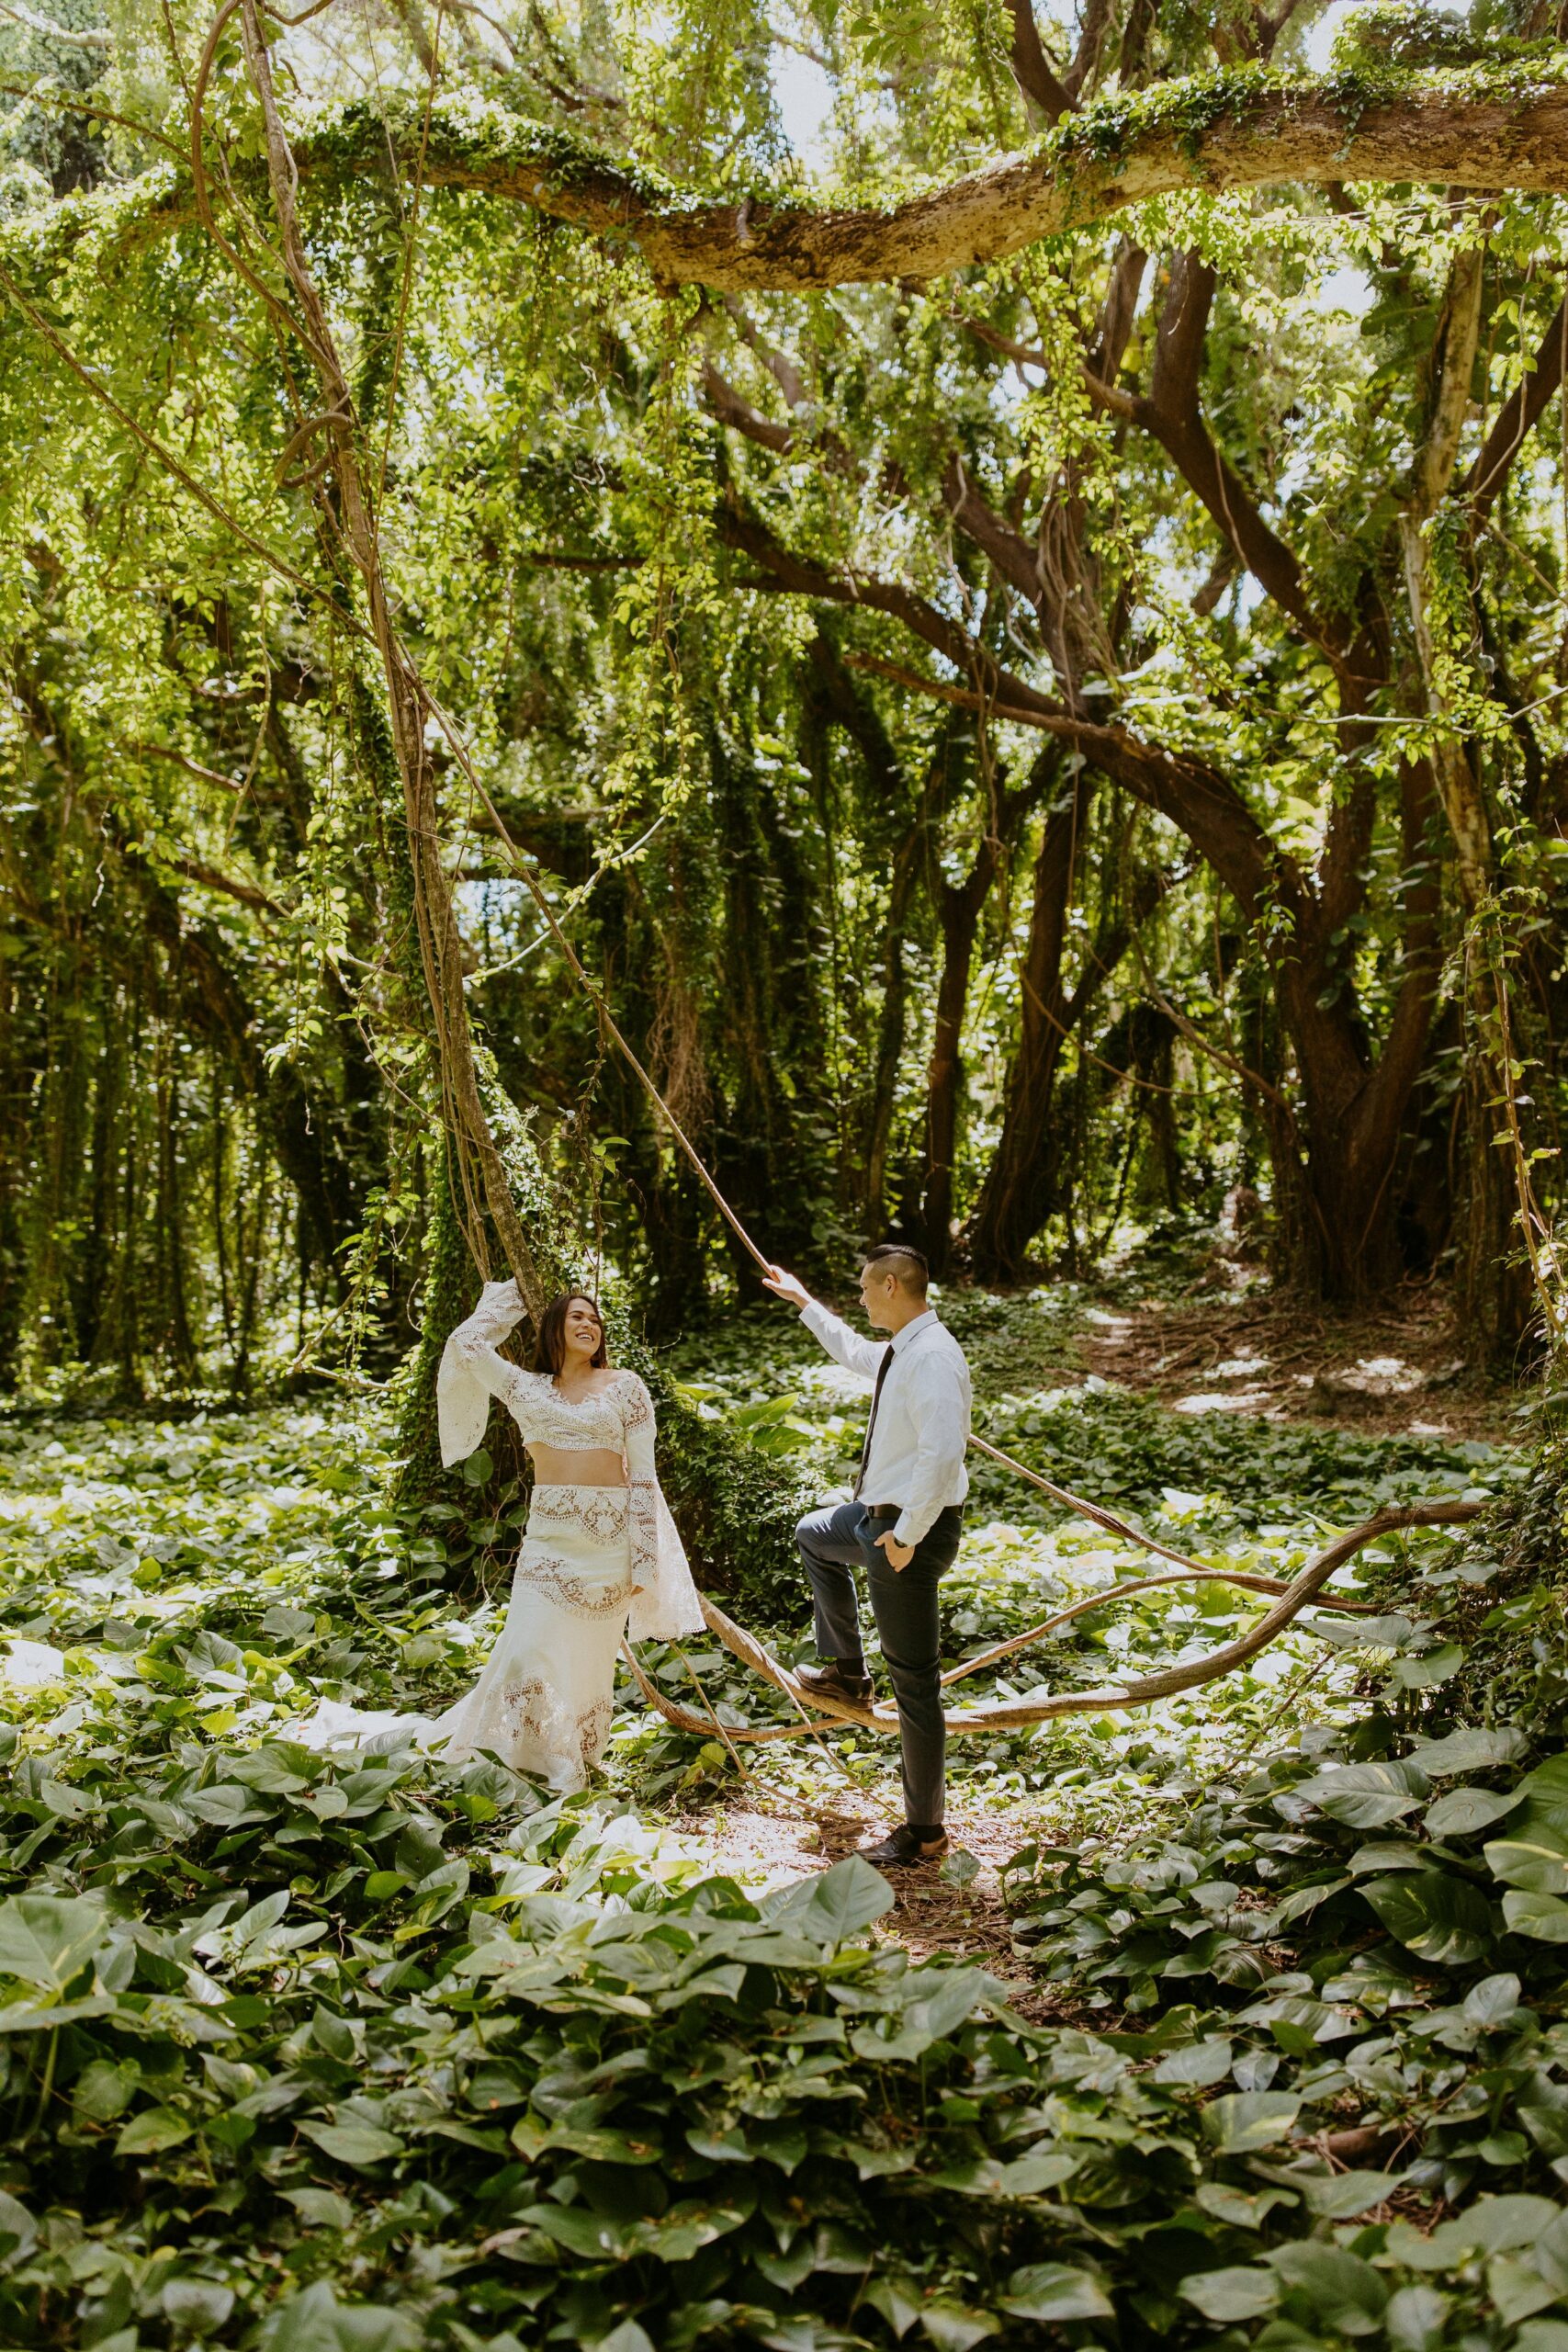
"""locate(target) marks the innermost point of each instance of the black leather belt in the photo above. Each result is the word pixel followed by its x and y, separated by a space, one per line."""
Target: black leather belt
pixel 895 1511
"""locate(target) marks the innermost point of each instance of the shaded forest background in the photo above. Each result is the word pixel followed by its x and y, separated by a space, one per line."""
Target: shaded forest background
pixel 1028 756
pixel 996 575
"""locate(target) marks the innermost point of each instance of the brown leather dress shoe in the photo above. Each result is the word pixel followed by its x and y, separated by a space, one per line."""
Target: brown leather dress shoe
pixel 834 1681
pixel 901 1849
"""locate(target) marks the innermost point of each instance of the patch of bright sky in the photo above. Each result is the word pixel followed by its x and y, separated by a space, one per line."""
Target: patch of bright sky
pixel 1345 289
pixel 803 91
pixel 1321 35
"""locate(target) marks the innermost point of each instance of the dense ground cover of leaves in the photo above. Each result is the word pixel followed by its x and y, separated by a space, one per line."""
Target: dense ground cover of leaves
pixel 1253 1495
pixel 1358 1944
pixel 1097 1439
pixel 312 2052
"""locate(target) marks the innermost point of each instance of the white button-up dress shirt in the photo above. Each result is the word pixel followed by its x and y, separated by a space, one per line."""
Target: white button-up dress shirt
pixel 922 1415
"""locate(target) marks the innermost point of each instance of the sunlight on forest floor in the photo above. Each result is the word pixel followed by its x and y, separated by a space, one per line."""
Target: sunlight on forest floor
pixel 136 1548
pixel 444 1950
pixel 125 1538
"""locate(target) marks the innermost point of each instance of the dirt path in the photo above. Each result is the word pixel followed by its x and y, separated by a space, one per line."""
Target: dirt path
pixel 1391 1371
pixel 778 1840
pixel 1234 1345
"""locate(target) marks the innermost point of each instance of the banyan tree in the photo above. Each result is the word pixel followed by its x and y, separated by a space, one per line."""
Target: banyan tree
pixel 1022 650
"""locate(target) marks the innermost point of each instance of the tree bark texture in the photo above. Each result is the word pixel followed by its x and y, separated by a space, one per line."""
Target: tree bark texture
pixel 1233 129
pixel 410 712
pixel 1216 131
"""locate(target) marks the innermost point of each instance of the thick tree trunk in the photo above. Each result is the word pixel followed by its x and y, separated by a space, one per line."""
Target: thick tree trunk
pixel 1495 1289
pixel 958 905
pixel 1336 1169
pixel 1497 1300
pixel 410 715
pixel 890 1031
pixel 1155 1066
pixel 1017 1196
pixel 1139 1043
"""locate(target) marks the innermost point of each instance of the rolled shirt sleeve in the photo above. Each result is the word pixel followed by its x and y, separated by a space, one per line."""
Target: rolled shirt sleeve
pixel 938 1405
pixel 845 1347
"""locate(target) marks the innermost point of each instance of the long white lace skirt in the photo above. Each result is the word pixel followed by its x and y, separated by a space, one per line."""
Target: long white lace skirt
pixel 544 1701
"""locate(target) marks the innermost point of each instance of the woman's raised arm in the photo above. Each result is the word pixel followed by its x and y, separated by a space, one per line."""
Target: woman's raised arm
pixel 473 1371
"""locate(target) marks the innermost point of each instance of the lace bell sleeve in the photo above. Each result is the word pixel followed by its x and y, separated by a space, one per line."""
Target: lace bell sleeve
pixel 472 1372
pixel 664 1603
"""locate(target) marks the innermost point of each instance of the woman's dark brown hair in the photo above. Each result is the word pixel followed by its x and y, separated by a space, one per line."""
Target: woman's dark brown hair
pixel 550 1353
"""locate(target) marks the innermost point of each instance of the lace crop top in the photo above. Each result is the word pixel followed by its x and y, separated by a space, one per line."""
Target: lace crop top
pixel 617 1418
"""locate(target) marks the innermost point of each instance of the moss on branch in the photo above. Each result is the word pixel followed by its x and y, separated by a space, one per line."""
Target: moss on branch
pixel 1109 130
pixel 1498 121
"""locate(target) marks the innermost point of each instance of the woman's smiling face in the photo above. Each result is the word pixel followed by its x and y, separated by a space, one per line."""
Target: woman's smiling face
pixel 581 1329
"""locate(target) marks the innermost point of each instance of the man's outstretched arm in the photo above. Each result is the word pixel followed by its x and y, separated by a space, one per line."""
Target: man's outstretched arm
pixel 845 1347
pixel 788 1286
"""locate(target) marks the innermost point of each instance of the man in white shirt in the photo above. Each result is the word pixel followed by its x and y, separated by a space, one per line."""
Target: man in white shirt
pixel 902 1526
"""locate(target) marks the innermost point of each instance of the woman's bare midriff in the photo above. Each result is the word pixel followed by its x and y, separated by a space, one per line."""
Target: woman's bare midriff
pixel 561 1466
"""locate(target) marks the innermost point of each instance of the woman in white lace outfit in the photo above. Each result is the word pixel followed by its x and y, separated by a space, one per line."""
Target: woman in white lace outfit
pixel 601 1556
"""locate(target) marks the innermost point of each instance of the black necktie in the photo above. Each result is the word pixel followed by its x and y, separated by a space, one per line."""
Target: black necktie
pixel 881 1371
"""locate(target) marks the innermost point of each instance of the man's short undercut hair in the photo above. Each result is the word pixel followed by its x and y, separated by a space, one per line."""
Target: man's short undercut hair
pixel 908 1267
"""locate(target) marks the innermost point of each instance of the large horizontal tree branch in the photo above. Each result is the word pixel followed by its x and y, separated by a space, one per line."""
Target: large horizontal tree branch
pixel 1498 128
pixel 1236 129
pixel 45 28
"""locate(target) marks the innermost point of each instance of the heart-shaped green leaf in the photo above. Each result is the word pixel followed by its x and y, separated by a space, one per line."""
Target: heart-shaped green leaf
pixel 1244 2120
pixel 1434 1913
pixel 46 1939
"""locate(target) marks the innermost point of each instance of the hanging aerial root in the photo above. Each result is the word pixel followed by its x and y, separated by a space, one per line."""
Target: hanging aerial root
pixel 1242 1578
pixel 1008 1714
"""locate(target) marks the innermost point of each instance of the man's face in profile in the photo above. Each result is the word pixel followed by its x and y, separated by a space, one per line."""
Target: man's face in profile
pixel 877 1291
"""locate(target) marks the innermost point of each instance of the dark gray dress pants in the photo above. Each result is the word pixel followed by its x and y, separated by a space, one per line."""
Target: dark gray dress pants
pixel 836 1541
